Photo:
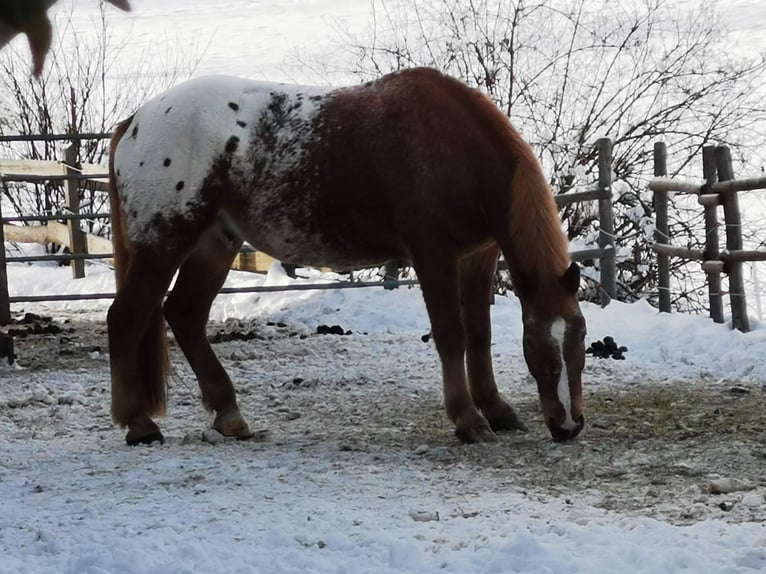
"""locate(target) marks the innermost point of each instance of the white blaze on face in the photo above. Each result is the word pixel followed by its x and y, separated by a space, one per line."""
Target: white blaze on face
pixel 558 331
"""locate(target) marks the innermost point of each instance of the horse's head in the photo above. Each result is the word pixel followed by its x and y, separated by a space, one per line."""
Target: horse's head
pixel 554 333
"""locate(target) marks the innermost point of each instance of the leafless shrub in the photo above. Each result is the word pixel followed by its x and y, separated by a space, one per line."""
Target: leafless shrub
pixel 568 72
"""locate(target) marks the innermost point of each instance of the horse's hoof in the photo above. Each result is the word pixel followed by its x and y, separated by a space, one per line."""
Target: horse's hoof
pixel 134 437
pixel 506 419
pixel 475 435
pixel 231 423
pixel 143 430
pixel 502 416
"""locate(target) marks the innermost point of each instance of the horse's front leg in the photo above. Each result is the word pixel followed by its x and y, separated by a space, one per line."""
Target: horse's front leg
pixel 186 310
pixel 438 278
pixel 476 282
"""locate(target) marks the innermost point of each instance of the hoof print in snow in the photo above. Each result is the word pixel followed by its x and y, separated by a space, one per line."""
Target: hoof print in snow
pixel 727 485
pixel 212 436
pixel 424 516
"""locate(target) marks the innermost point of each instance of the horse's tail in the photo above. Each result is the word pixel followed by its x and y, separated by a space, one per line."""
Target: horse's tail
pixel 146 395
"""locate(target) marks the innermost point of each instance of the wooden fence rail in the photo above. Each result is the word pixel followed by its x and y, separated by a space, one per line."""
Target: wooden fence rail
pixel 84 246
pixel 720 189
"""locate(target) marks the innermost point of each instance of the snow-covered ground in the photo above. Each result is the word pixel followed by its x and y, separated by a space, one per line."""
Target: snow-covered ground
pixel 360 472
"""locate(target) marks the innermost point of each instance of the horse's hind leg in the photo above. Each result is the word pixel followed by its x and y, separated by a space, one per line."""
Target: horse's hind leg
pixel 476 281
pixel 137 351
pixel 187 309
pixel 438 275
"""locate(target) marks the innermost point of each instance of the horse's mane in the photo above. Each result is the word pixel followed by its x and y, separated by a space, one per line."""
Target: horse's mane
pixel 539 242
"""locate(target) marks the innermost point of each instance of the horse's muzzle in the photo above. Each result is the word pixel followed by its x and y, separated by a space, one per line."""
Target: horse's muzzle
pixel 561 434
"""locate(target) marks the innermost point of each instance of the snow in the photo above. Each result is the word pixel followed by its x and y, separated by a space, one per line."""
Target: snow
pixel 86 503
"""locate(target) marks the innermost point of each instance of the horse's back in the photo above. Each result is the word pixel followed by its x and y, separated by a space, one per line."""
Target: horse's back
pixel 317 176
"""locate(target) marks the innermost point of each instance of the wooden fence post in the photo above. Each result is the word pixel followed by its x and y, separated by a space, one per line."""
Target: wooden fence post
pixel 77 240
pixel 5 302
pixel 712 247
pixel 391 275
pixel 661 230
pixel 733 220
pixel 606 222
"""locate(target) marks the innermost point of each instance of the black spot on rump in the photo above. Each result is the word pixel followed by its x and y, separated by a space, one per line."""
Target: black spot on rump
pixel 234 106
pixel 168 110
pixel 231 145
pixel 241 124
pixel 166 163
pixel 141 164
pixel 134 133
pixel 179 186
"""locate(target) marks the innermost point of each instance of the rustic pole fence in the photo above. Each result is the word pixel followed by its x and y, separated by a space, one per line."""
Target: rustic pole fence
pixel 720 188
pixel 79 249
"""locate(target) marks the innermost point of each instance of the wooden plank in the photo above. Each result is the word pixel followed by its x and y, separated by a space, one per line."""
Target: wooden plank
pixel 739 185
pixel 54 232
pixel 743 255
pixel 586 254
pixel 26 234
pixel 253 261
pixel 724 187
pixel 59 233
pixel 674 251
pixel 21 167
pixel 55 137
pixel 567 198
pixel 672 185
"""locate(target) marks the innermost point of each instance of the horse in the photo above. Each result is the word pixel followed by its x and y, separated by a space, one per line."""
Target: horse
pixel 414 166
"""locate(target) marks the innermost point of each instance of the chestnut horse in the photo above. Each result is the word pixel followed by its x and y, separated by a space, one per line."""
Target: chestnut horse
pixel 414 166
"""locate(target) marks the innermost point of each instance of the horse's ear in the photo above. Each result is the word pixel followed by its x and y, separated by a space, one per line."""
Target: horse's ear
pixel 525 284
pixel 571 279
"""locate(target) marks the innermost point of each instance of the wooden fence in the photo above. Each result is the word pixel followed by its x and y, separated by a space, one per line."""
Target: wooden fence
pixel 720 189
pixel 83 246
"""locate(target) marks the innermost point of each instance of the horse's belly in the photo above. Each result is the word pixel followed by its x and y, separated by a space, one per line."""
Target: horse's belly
pixel 314 247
